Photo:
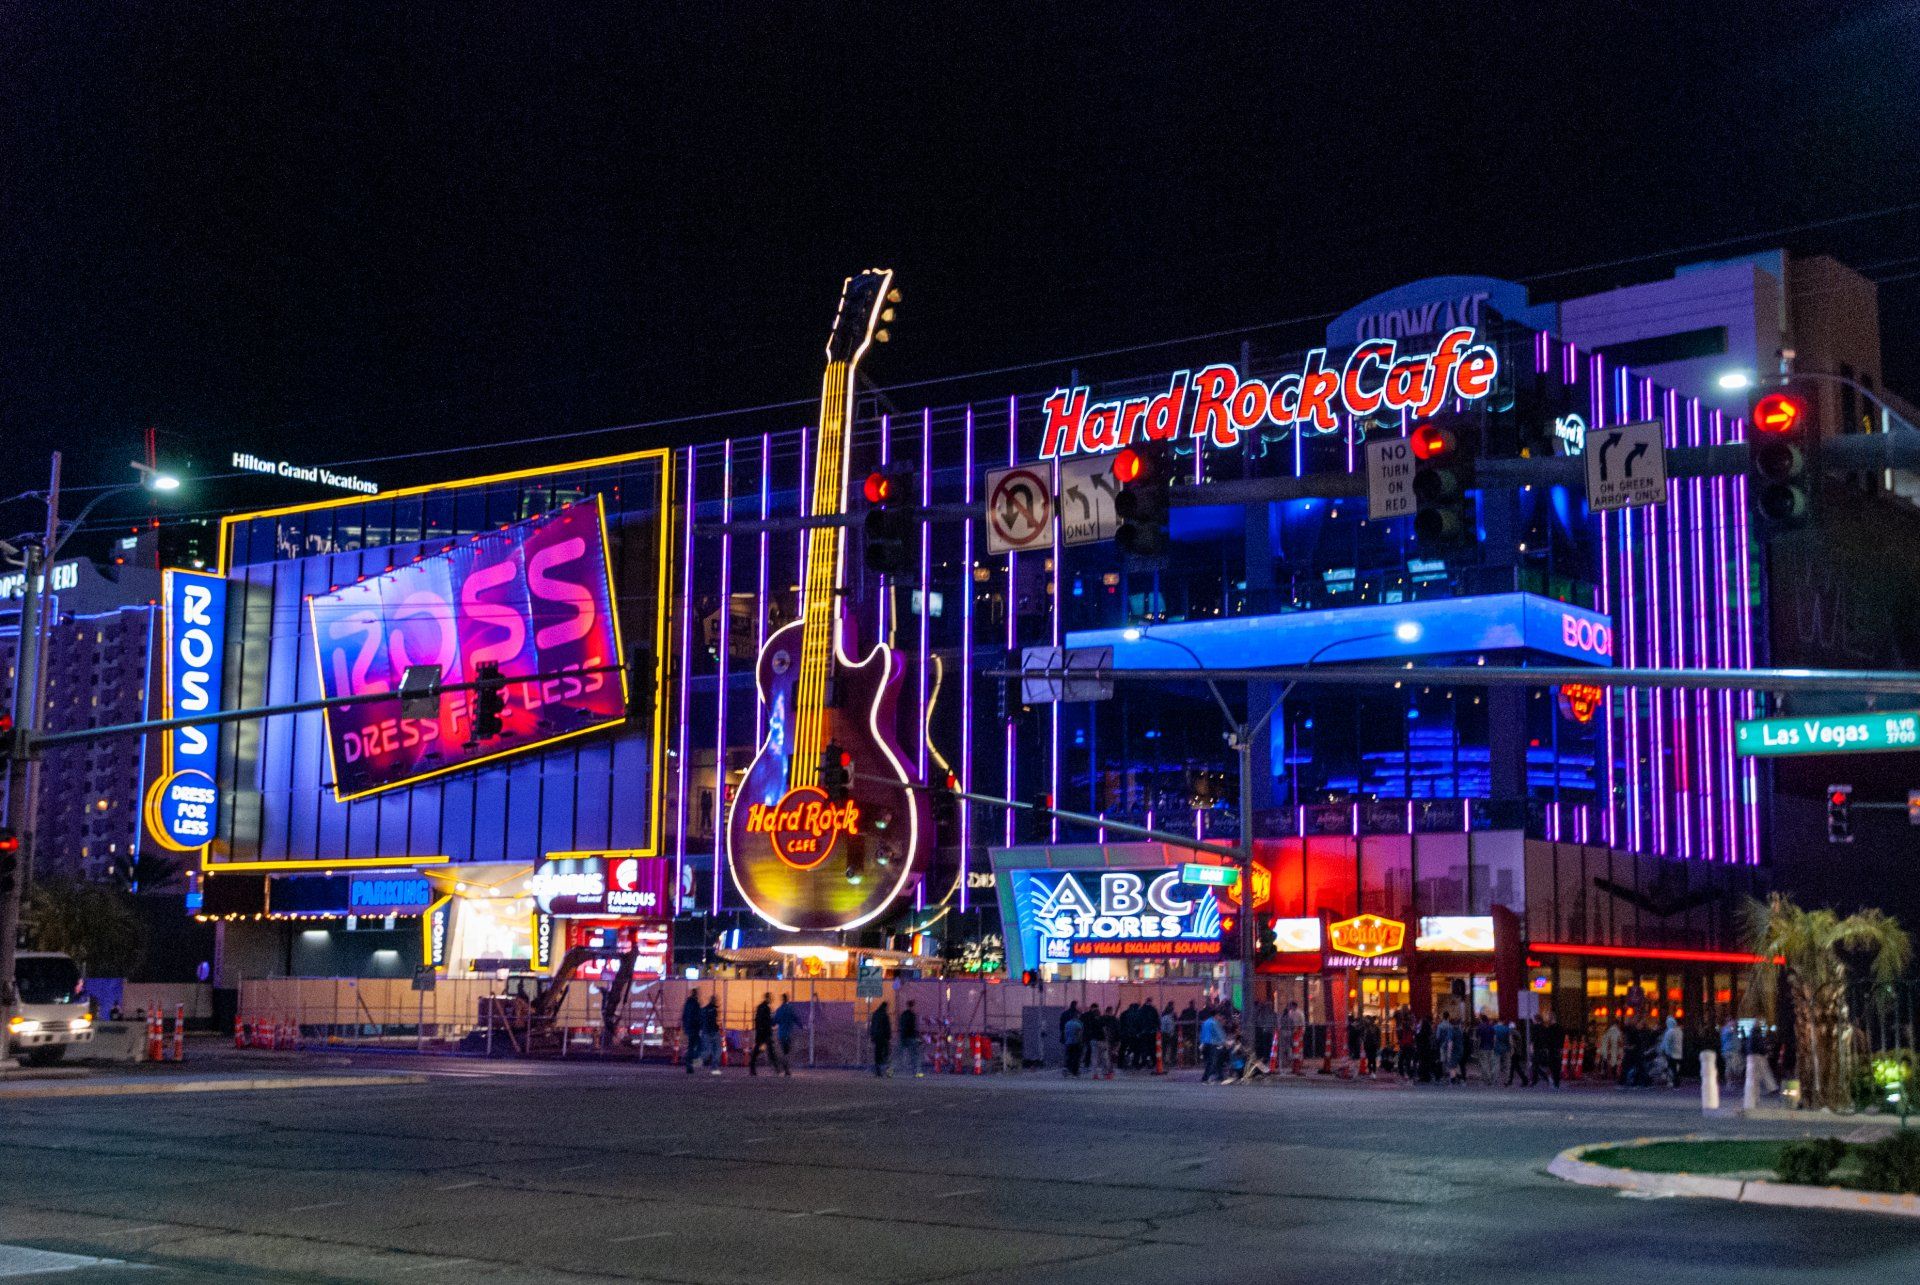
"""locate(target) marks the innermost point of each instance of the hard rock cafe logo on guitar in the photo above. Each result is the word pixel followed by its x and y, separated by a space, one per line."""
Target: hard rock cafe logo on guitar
pixel 805 826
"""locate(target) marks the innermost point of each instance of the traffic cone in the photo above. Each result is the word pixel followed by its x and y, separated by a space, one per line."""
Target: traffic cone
pixel 154 1049
pixel 1298 1052
pixel 1273 1058
pixel 1159 1054
pixel 179 1032
pixel 239 1033
pixel 980 1061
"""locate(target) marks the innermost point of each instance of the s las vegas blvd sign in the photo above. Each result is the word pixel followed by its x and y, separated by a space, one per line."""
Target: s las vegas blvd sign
pixel 1220 405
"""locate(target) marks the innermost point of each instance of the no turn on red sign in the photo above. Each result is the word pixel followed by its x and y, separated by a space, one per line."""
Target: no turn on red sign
pixel 1019 509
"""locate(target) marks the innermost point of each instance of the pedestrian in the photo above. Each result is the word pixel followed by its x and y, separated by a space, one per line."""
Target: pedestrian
pixel 1164 1057
pixel 1073 1035
pixel 1128 1039
pixel 1612 1050
pixel 786 1020
pixel 1423 1059
pixel 910 1039
pixel 690 1023
pixel 1370 1043
pixel 1518 1067
pixel 1187 1029
pixel 880 1031
pixel 1289 1022
pixel 1673 1048
pixel 1503 1047
pixel 710 1033
pixel 1485 1052
pixel 763 1037
pixel 1548 1040
pixel 1730 1059
pixel 1101 1026
pixel 1445 1036
pixel 1072 1013
pixel 1213 1040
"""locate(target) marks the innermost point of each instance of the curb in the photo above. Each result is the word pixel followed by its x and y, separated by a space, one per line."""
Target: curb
pixel 129 1088
pixel 1571 1167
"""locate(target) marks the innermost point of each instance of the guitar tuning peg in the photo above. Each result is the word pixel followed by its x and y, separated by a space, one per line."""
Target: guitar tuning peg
pixel 894 295
pixel 881 336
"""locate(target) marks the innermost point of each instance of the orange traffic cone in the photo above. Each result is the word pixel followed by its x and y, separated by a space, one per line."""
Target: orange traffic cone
pixel 156 1051
pixel 179 1032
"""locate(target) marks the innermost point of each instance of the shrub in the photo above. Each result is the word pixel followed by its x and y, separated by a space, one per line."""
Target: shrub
pixel 1892 1164
pixel 1809 1162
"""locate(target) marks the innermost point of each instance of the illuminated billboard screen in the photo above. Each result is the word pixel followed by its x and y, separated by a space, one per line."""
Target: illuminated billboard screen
pixel 1069 915
pixel 533 598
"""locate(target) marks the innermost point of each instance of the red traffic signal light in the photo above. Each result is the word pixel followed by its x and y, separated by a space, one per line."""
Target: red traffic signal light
pixel 1130 466
pixel 1779 413
pixel 9 843
pixel 878 488
pixel 1431 442
pixel 1837 798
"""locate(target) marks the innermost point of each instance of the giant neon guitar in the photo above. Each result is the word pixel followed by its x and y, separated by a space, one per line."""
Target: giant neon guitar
pixel 823 832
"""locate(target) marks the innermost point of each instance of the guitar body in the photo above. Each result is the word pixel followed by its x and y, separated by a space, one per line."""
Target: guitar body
pixel 792 848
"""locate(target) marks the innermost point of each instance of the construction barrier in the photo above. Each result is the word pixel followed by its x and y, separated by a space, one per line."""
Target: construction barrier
pixel 156 1047
pixel 1572 1055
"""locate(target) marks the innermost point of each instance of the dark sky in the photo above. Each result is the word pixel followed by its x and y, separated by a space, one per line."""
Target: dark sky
pixel 339 231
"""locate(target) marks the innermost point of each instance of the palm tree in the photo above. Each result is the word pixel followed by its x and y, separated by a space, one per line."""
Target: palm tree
pixel 93 923
pixel 1810 949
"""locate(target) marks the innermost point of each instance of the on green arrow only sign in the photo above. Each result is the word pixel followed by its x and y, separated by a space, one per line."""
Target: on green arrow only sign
pixel 1830 733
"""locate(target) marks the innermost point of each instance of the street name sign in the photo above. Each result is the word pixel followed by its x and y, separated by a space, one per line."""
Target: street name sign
pixel 1205 876
pixel 1390 467
pixel 1829 733
pixel 1626 467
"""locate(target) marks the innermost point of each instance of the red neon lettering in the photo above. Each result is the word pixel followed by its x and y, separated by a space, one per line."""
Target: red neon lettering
pixel 1249 405
pixel 1064 411
pixel 1284 404
pixel 1211 417
pixel 1163 412
pixel 1444 359
pixel 1131 414
pixel 1406 384
pixel 1478 369
pixel 1098 430
pixel 1377 352
pixel 1317 389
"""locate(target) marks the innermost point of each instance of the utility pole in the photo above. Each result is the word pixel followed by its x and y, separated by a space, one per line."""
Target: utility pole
pixel 19 785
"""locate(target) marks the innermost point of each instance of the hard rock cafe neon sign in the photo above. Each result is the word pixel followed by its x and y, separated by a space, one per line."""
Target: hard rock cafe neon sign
pixel 1374 379
pixel 1367 936
pixel 804 826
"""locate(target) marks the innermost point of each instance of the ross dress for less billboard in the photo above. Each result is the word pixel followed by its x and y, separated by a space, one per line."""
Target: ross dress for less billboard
pixel 532 598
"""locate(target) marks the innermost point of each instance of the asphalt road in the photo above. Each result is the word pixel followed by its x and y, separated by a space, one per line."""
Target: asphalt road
pixel 581 1172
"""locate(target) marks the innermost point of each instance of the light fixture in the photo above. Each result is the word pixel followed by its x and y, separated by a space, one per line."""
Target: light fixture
pixel 1133 633
pixel 1735 380
pixel 152 478
pixel 1407 631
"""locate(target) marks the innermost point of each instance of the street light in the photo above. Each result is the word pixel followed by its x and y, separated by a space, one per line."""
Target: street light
pixel 1241 736
pixel 1738 380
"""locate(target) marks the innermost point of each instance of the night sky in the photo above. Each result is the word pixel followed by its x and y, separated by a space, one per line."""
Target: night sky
pixel 332 232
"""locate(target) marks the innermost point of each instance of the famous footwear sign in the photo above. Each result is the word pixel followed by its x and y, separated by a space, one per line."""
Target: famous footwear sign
pixel 1220 405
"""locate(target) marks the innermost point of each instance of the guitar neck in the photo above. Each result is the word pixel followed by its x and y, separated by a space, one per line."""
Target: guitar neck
pixel 826 565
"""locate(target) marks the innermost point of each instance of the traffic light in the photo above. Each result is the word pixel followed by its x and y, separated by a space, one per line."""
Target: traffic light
pixel 889 523
pixel 836 772
pixel 489 703
pixel 1442 472
pixel 1145 477
pixel 643 676
pixel 9 861
pixel 1780 453
pixel 7 746
pixel 1839 814
pixel 1266 944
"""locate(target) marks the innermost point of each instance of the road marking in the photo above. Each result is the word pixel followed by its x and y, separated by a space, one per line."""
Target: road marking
pixel 438 1262
pixel 128 1231
pixel 750 1141
pixel 326 1204
pixel 577 1168
pixel 461 1186
pixel 814 1213
pixel 964 1191
pixel 18 1260
pixel 644 1235
pixel 682 1152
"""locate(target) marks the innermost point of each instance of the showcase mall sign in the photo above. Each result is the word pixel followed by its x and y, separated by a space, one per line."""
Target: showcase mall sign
pixel 1220 405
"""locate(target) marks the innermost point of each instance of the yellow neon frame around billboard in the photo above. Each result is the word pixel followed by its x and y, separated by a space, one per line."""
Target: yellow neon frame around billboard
pixel 662 596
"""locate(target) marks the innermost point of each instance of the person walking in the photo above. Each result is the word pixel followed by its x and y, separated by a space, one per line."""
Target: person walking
pixel 1522 1059
pixel 710 1032
pixel 691 1020
pixel 1503 1048
pixel 1730 1059
pixel 1548 1040
pixel 1286 1025
pixel 786 1020
pixel 1101 1027
pixel 1073 1036
pixel 1673 1049
pixel 1213 1044
pixel 1071 1014
pixel 1484 1051
pixel 880 1031
pixel 1187 1030
pixel 1445 1037
pixel 1370 1044
pixel 1612 1050
pixel 910 1039
pixel 763 1037
pixel 1166 1037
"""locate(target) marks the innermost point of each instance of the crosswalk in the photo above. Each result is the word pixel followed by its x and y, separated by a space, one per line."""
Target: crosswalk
pixel 20 1261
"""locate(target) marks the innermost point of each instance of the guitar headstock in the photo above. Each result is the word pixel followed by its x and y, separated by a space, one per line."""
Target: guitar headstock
pixel 867 303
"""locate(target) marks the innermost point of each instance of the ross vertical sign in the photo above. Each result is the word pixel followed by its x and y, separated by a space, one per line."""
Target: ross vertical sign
pixel 1390 468
pixel 182 805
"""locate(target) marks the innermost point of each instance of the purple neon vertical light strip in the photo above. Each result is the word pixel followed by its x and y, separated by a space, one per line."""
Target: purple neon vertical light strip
pixel 885 605
pixel 926 580
pixel 1749 772
pixel 1053 613
pixel 966 667
pixel 1658 791
pixel 726 621
pixel 760 581
pixel 1013 457
pixel 1630 603
pixel 1597 404
pixel 1706 576
pixel 1679 560
pixel 686 666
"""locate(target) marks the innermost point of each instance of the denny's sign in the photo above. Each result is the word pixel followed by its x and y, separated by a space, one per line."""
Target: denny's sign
pixel 1220 405
pixel 1364 941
